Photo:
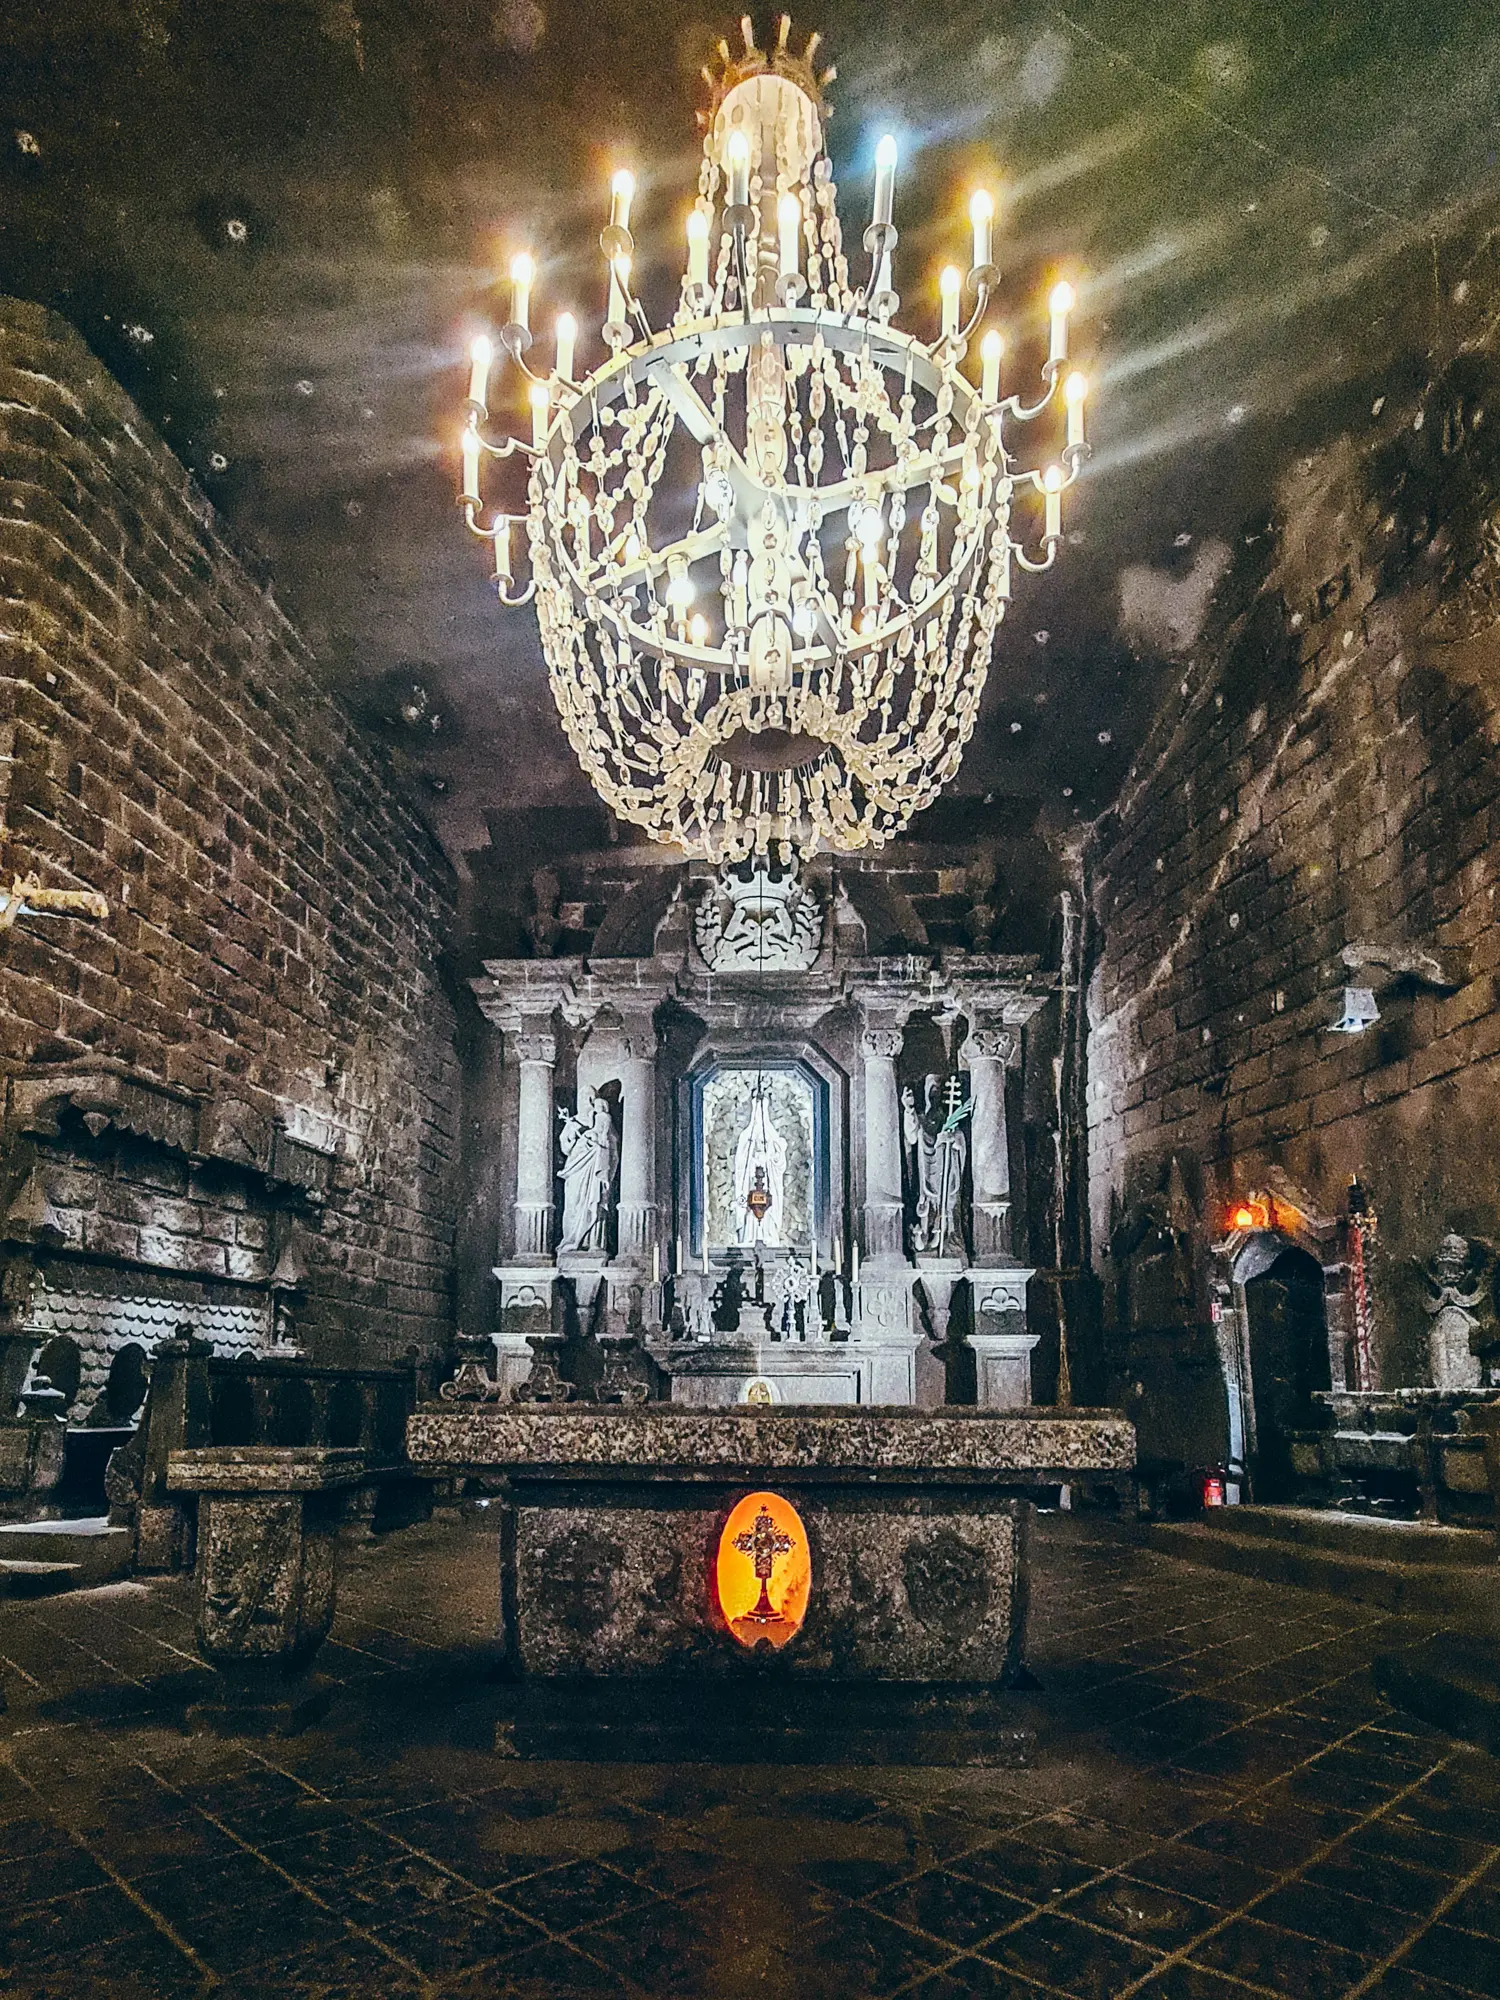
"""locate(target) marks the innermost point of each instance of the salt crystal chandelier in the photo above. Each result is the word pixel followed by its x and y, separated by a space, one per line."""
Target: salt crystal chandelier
pixel 770 544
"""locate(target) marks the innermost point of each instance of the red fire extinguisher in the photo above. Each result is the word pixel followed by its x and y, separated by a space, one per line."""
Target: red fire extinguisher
pixel 1213 1489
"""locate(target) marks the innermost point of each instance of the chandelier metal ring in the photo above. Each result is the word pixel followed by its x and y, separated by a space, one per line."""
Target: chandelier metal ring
pixel 770 545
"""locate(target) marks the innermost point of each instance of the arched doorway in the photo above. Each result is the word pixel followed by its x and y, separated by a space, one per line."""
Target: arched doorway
pixel 1288 1340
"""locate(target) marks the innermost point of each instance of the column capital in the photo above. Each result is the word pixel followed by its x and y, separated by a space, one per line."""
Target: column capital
pixel 989 1044
pixel 881 1043
pixel 533 1047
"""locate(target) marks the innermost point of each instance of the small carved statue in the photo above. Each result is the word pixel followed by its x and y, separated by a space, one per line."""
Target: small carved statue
pixel 591 1158
pixel 1455 1281
pixel 937 1148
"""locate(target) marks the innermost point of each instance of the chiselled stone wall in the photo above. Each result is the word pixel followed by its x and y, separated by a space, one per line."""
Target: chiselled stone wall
pixel 266 983
pixel 1325 776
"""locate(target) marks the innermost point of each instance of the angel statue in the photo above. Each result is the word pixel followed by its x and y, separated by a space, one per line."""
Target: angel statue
pixel 591 1155
pixel 1456 1302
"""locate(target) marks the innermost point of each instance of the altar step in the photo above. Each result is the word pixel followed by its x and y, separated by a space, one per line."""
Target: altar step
pixel 38 1557
pixel 737 1721
pixel 1412 1567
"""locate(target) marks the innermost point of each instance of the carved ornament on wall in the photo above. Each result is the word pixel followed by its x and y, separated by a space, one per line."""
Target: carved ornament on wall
pixel 759 922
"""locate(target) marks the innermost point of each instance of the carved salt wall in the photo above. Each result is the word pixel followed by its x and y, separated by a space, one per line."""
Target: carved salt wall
pixel 240 1090
pixel 1318 807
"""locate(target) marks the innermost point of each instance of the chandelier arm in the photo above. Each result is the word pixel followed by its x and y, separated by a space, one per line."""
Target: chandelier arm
pixel 1020 556
pixel 1028 412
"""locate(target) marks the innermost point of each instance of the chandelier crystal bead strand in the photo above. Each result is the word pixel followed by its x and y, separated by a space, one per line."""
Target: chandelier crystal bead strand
pixel 771 543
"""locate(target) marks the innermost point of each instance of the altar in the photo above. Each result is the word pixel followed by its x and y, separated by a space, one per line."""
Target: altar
pixel 752 1161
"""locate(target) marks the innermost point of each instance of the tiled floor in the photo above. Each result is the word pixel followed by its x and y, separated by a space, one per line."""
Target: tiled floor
pixel 1219 1806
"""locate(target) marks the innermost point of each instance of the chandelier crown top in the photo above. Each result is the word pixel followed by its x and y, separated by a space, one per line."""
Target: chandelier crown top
pixel 754 61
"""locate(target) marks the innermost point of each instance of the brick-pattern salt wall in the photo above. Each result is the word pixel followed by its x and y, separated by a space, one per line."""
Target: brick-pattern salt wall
pixel 1325 774
pixel 277 909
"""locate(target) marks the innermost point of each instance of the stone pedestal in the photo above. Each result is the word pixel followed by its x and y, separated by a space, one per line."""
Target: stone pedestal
pixel 267 1574
pixel 177 1418
pixel 1001 1339
pixel 525 1315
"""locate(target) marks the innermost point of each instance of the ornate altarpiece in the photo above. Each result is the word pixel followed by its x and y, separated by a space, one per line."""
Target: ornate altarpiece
pixel 774 1229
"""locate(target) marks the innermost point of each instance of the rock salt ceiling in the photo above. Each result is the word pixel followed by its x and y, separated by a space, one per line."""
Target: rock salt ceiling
pixel 277 224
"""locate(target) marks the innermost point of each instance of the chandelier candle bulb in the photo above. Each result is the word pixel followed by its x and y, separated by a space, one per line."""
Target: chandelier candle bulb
pixel 982 216
pixel 1059 305
pixel 950 284
pixel 885 180
pixel 737 156
pixel 697 242
pixel 481 353
pixel 522 278
pixel 539 402
pixel 788 233
pixel 469 443
pixel 698 630
pixel 1075 394
pixel 1052 485
pixel 567 341
pixel 991 348
pixel 502 549
pixel 619 278
pixel 621 194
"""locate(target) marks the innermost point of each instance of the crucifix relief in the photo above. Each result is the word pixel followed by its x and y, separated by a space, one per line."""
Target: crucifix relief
pixel 763 1543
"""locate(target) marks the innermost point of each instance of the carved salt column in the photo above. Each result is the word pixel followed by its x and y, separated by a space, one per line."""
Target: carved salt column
pixel 536 1054
pixel 986 1053
pixel 637 1216
pixel 880 1047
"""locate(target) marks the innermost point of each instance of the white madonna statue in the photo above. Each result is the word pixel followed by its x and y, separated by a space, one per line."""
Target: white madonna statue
pixel 760 1177
pixel 591 1157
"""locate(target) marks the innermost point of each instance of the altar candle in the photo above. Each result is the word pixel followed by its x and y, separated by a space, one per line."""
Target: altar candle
pixel 677 1256
pixel 705 1253
pixel 838 1256
pixel 656 1263
pixel 854 1266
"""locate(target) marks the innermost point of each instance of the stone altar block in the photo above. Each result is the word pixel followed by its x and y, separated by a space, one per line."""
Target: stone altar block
pixel 907 1528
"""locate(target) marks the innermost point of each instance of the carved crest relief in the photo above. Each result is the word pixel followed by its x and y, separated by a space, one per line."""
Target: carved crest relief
pixel 758 922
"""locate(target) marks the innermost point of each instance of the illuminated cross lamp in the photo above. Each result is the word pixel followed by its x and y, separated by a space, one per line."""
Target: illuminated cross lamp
pixel 771 543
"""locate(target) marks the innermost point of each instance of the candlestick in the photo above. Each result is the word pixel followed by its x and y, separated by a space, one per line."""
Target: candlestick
pixel 522 278
pixel 1060 304
pixel 885 178
pixel 950 283
pixel 788 232
pixel 469 444
pixel 621 193
pixel 1075 394
pixel 990 350
pixel 697 242
pixel 567 340
pixel 737 155
pixel 502 549
pixel 481 353
pixel 982 216
pixel 1052 484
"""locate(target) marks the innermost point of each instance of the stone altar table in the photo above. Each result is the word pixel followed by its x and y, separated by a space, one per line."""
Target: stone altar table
pixel 889 1545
